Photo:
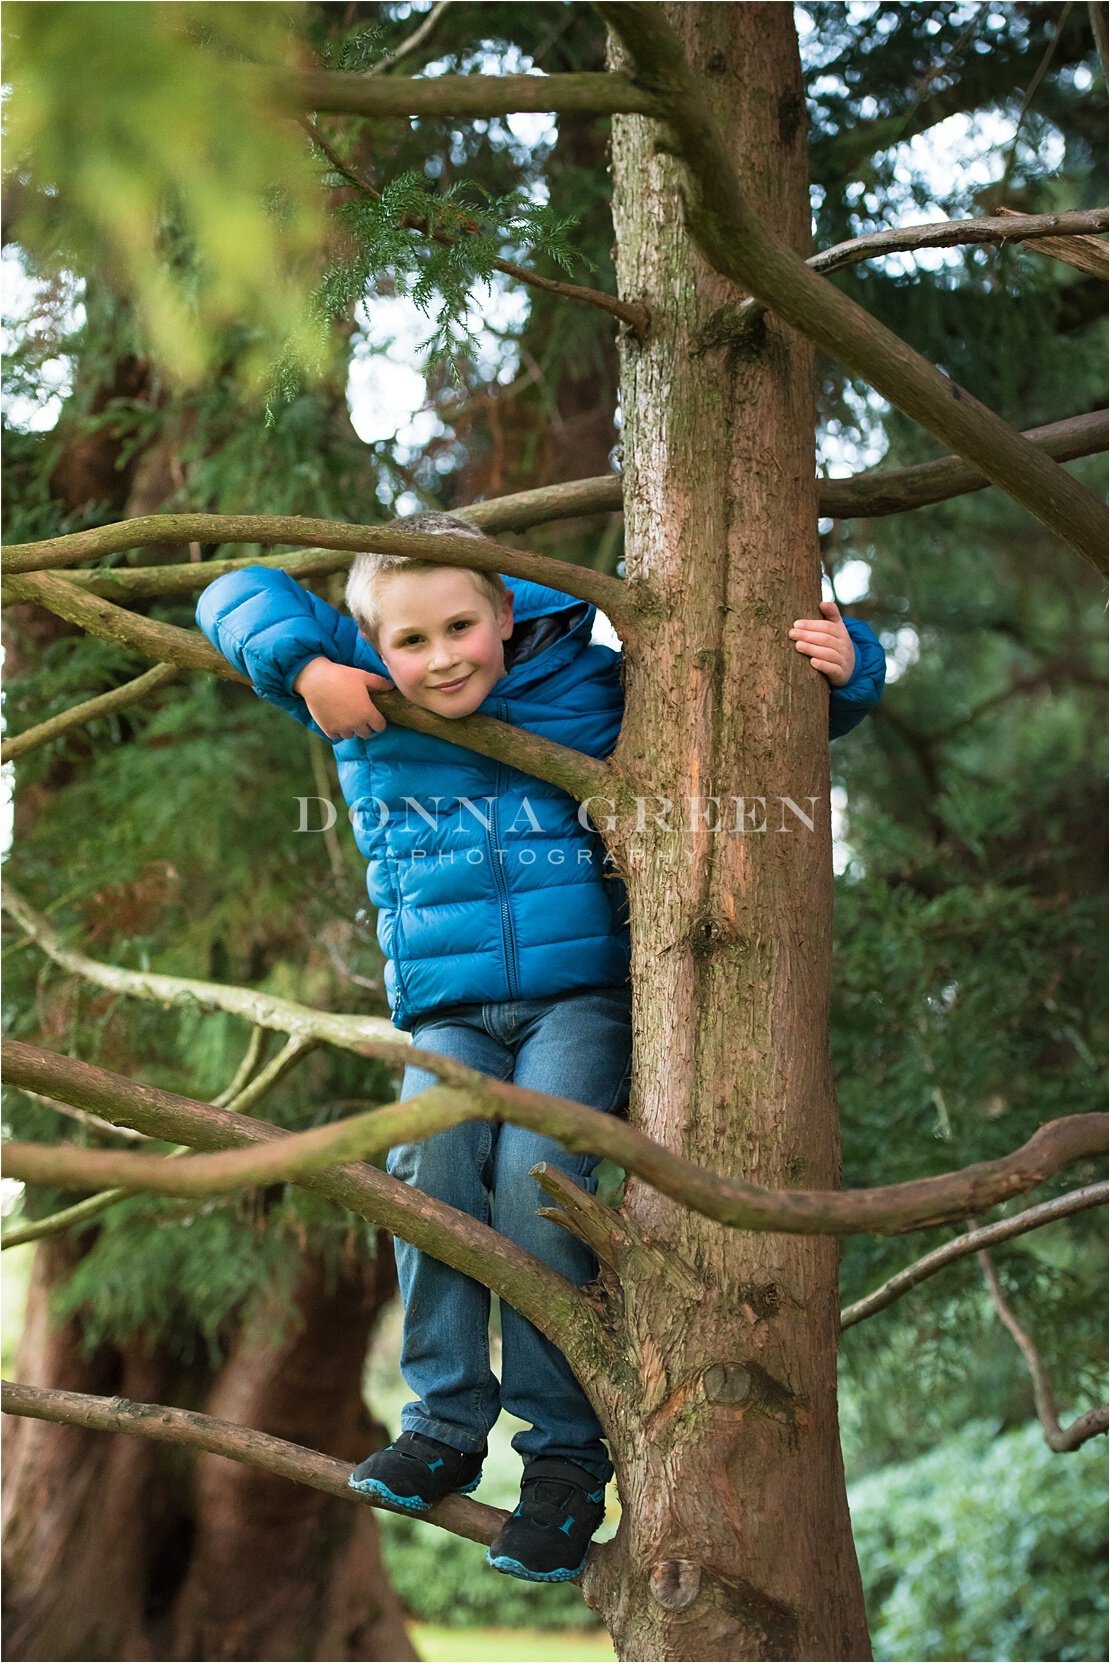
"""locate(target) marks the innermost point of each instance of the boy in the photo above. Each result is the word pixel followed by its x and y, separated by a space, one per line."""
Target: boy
pixel 506 949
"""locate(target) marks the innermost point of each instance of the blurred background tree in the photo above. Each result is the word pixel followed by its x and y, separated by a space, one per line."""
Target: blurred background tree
pixel 214 309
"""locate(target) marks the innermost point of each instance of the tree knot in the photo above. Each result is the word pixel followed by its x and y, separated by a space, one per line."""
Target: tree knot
pixel 675 1583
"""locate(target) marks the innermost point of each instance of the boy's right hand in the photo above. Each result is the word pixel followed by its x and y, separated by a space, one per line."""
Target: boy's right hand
pixel 338 698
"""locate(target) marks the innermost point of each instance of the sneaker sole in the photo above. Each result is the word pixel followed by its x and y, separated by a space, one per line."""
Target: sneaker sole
pixel 513 1567
pixel 379 1491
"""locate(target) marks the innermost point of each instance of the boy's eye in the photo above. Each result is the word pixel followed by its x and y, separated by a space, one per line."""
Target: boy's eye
pixel 462 623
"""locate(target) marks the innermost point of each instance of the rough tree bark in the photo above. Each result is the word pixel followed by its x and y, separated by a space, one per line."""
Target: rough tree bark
pixel 735 1539
pixel 123 1550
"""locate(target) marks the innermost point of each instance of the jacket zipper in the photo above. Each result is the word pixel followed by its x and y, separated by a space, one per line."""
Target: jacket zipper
pixel 493 837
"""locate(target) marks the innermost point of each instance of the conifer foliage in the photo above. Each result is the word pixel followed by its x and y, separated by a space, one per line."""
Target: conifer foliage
pixel 211 241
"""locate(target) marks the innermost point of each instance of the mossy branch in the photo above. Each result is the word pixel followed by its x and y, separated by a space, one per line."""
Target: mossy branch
pixel 270 530
pixel 472 1520
pixel 466 1095
pixel 241 1097
pixel 581 775
pixel 267 1011
pixel 105 704
pixel 547 1299
pixel 735 240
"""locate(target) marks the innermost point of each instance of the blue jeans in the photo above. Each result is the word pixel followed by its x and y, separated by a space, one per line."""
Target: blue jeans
pixel 577 1046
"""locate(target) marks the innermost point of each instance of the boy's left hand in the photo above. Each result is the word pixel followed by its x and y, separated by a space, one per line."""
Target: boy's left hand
pixel 827 644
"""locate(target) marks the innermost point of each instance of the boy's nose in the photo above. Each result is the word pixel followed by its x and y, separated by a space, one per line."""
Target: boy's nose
pixel 442 655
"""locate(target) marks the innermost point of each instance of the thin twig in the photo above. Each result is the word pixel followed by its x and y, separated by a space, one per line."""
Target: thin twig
pixel 1062 1439
pixel 1005 1229
pixel 632 312
pixel 417 38
pixel 104 704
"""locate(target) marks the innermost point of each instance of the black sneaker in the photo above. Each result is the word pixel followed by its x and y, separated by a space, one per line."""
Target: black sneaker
pixel 548 1536
pixel 415 1472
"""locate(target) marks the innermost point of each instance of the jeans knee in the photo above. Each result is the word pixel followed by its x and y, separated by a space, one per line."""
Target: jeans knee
pixel 444 1167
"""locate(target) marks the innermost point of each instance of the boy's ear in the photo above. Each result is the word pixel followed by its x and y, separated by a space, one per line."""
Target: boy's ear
pixel 506 619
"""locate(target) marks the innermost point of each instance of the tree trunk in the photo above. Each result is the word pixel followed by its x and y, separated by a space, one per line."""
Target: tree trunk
pixel 119 1549
pixel 735 1539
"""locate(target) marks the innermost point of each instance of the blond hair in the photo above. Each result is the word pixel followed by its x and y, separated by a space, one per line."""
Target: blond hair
pixel 370 568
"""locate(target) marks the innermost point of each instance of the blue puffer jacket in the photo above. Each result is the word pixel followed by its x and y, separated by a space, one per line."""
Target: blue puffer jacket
pixel 487 885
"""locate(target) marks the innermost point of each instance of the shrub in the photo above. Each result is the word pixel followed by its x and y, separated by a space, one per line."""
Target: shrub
pixel 990 1546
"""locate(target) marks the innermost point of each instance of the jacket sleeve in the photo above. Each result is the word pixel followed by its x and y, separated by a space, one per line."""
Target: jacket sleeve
pixel 269 627
pixel 848 705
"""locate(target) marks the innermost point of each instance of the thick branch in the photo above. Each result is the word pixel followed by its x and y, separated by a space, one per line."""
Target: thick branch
pixel 163 642
pixel 609 593
pixel 105 704
pixel 895 490
pixel 241 1096
pixel 466 1095
pixel 1062 1439
pixel 462 1517
pixel 734 239
pixel 538 1293
pixel 582 776
pixel 868 495
pixel 1005 1229
pixel 573 771
pixel 460 95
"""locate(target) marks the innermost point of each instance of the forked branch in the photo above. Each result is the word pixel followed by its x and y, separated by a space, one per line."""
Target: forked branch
pixel 537 1292
pixel 466 1095
pixel 1005 1229
pixel 735 240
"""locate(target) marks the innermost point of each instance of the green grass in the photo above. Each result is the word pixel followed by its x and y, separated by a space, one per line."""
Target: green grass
pixel 509 1645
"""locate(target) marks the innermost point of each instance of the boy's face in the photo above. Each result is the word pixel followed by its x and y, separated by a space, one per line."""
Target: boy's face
pixel 442 638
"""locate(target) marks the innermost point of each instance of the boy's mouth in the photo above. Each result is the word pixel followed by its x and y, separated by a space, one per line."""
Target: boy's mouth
pixel 451 686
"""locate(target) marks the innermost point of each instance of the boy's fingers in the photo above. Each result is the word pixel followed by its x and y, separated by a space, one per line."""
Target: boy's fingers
pixel 829 609
pixel 379 684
